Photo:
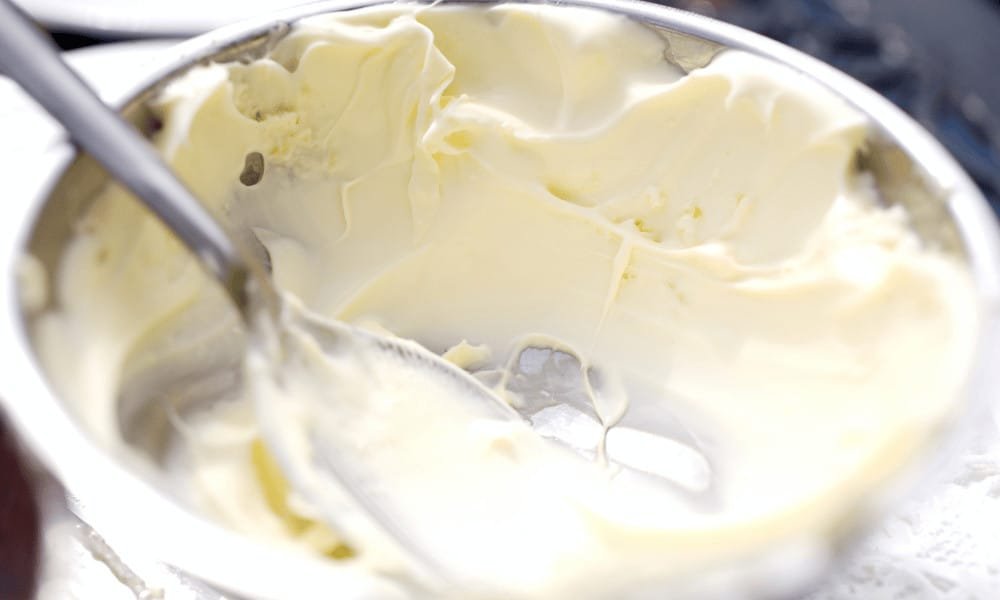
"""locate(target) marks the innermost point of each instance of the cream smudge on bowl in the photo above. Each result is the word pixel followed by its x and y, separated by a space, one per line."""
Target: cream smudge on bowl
pixel 501 183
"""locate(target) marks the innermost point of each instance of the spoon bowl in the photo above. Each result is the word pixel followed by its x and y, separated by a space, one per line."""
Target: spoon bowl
pixel 34 63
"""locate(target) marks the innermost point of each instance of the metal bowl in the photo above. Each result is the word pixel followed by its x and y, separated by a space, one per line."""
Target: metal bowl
pixel 909 166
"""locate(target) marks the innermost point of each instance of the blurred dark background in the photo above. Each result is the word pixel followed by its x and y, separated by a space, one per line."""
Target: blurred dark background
pixel 19 523
pixel 937 59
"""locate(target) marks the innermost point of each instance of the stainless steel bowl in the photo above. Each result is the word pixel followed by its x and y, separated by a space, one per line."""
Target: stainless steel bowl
pixel 911 168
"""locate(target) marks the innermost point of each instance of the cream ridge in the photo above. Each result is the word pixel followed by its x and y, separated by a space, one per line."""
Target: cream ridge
pixel 722 343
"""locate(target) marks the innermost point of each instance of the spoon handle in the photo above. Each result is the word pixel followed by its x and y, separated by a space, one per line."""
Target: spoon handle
pixel 33 61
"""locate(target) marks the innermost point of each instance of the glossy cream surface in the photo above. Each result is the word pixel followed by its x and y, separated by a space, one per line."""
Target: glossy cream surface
pixel 678 276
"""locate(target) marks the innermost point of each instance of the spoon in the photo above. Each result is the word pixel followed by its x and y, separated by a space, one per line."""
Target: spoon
pixel 323 390
pixel 346 360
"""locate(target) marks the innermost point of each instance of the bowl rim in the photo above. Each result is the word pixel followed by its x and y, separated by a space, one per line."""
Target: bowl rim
pixel 221 556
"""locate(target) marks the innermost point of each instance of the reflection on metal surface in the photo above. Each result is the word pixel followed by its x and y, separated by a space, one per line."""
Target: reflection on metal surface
pixel 899 183
pixel 686 51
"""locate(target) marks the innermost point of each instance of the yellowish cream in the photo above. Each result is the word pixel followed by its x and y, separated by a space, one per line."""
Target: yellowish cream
pixel 535 189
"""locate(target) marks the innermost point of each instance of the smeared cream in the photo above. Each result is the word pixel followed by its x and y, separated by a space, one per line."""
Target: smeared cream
pixel 739 342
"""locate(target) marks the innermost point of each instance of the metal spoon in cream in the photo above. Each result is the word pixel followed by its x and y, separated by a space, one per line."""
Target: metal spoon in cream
pixel 679 271
pixel 327 370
